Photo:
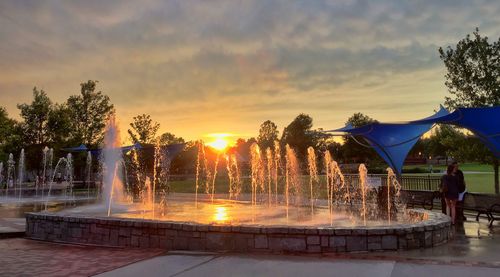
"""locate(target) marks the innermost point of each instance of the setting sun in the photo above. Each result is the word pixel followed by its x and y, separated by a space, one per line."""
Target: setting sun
pixel 220 141
pixel 219 144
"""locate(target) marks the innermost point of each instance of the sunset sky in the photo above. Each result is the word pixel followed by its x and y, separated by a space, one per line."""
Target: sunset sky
pixel 201 67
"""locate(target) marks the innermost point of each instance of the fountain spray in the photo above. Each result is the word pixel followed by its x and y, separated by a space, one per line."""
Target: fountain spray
pixel 216 165
pixel 156 165
pixel 197 174
pixel 10 172
pixel 69 174
pixel 257 171
pixel 392 181
pixel 1 173
pixel 45 151
pixel 61 160
pixel 363 175
pixel 277 166
pixel 269 160
pixel 88 172
pixel 292 176
pixel 112 155
pixel 313 174
pixel 20 173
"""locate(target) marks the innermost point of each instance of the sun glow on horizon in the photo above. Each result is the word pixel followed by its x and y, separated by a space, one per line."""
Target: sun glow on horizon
pixel 220 141
pixel 219 144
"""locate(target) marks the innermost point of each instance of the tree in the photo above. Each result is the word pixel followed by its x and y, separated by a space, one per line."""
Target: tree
pixel 6 125
pixel 58 124
pixel 169 138
pixel 89 112
pixel 35 118
pixel 299 134
pixel 445 141
pixel 143 129
pixel 352 149
pixel 7 133
pixel 473 77
pixel 268 133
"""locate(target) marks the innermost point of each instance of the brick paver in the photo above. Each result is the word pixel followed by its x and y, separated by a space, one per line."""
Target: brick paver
pixel 22 257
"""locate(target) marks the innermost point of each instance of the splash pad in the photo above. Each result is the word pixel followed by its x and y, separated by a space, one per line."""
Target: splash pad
pixel 275 208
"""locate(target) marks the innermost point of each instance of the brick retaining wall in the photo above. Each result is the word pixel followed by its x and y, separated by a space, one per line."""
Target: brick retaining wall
pixel 125 232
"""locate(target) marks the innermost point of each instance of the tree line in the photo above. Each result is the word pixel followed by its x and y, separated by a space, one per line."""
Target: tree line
pixel 472 78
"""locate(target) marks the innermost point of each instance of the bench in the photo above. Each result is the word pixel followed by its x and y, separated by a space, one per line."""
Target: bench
pixel 487 204
pixel 422 198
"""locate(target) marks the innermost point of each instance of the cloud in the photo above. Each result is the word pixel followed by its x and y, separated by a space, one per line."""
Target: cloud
pixel 225 66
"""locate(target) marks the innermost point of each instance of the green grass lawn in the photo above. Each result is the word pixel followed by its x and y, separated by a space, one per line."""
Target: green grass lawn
pixel 464 167
pixel 478 177
pixel 476 182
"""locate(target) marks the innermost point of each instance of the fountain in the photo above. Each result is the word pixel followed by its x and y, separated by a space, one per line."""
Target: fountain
pixel 363 175
pixel 112 157
pixel 45 152
pixel 88 172
pixel 10 174
pixel 1 174
pixel 20 173
pixel 52 179
pixel 257 170
pixel 313 175
pixel 69 175
pixel 301 213
pixel 234 176
pixel 277 168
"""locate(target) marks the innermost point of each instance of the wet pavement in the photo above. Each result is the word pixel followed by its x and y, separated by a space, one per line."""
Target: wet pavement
pixel 253 265
pixel 22 257
pixel 12 227
pixel 475 250
pixel 474 243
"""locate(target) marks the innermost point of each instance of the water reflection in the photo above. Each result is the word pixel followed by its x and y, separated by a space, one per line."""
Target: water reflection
pixel 220 214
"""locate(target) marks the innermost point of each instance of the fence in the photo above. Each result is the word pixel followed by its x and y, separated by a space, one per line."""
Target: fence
pixel 417 182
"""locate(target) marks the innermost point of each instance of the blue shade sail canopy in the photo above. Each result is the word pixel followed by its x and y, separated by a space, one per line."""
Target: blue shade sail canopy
pixel 393 142
pixel 80 148
pixel 483 122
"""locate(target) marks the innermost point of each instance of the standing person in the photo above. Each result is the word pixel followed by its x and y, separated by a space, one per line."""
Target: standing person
pixel 449 187
pixel 461 190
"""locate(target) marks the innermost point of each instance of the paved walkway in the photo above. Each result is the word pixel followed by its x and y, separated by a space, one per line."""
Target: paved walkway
pixel 250 265
pixel 475 251
pixel 11 227
pixel 22 257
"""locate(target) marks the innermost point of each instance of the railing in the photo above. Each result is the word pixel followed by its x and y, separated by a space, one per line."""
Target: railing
pixel 425 183
pixel 422 183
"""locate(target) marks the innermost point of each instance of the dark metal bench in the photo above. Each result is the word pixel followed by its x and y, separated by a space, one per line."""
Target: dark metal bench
pixel 422 198
pixel 487 204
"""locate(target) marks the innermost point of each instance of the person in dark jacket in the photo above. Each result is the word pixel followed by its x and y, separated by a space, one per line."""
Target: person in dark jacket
pixel 461 189
pixel 449 187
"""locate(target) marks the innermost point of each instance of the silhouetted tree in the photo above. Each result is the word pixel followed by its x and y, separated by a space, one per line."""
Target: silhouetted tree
pixel 445 141
pixel 353 150
pixel 88 112
pixel 143 129
pixel 169 138
pixel 35 118
pixel 8 134
pixel 268 133
pixel 299 135
pixel 473 77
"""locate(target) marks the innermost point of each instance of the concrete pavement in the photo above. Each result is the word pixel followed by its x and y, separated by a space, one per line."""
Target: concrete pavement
pixel 474 251
pixel 275 266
